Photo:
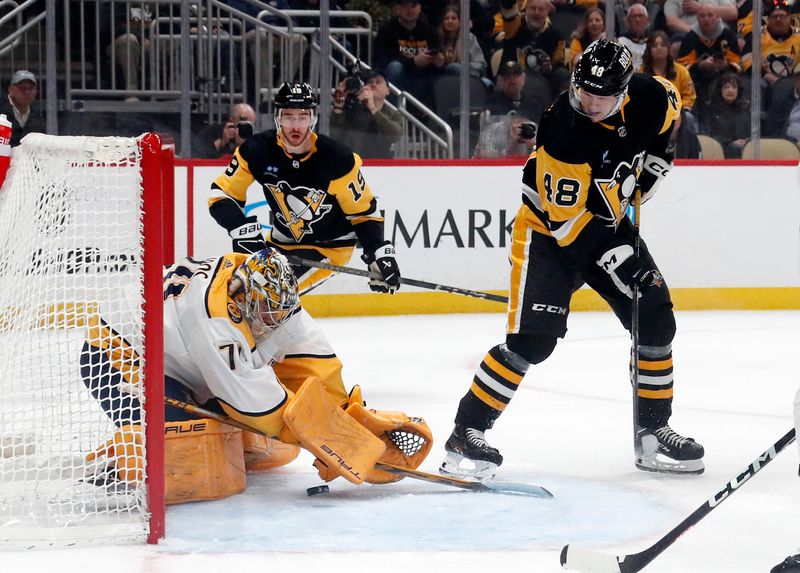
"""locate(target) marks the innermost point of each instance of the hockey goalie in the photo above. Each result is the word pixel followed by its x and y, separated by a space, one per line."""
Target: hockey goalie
pixel 238 343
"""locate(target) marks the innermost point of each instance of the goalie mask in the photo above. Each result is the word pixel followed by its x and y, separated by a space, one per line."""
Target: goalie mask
pixel 265 290
pixel 604 69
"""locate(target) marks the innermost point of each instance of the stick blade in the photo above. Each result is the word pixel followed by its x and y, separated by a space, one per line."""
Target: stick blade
pixel 521 489
pixel 577 558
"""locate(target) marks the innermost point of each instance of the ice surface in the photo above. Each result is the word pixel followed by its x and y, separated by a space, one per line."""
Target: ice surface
pixel 568 428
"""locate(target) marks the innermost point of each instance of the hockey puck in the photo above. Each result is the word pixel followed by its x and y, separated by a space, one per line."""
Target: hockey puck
pixel 317 490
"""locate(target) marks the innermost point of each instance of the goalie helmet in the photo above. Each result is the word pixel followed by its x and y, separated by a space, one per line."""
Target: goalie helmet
pixel 267 294
pixel 604 69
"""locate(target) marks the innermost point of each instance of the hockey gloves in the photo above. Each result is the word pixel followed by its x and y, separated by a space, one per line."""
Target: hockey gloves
pixel 626 270
pixel 247 238
pixel 382 262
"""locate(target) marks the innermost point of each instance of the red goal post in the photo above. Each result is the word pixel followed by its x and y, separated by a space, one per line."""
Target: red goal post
pixel 86 224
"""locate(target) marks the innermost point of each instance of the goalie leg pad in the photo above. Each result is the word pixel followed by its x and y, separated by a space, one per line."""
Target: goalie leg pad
pixel 343 447
pixel 204 460
pixel 125 452
pixel 262 453
pixel 408 440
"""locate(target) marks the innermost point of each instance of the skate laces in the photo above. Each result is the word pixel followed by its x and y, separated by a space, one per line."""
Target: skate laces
pixel 670 436
pixel 477 438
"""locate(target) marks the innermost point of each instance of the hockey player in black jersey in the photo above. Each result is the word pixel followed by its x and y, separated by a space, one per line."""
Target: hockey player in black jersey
pixel 596 144
pixel 321 203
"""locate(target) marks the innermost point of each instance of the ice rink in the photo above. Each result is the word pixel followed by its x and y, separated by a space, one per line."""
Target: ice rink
pixel 568 429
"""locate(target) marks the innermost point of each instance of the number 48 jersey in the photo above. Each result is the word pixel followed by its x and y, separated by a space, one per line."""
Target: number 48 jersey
pixel 583 172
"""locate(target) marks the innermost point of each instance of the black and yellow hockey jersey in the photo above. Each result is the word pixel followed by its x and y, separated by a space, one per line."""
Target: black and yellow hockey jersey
pixel 581 176
pixel 318 198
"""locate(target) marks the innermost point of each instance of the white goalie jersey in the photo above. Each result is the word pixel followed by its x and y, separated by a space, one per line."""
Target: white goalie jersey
pixel 209 348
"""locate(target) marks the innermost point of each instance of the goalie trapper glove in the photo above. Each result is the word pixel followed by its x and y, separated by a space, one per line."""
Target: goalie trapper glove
pixel 247 237
pixel 383 263
pixel 626 270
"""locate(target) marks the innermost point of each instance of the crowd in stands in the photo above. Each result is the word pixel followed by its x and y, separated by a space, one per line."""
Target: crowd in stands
pixel 520 54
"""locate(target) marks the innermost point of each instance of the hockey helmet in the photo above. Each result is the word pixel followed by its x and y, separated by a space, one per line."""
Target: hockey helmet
pixel 604 69
pixel 295 95
pixel 268 292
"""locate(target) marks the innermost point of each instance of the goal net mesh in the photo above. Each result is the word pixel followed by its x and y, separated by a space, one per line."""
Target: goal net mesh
pixel 71 236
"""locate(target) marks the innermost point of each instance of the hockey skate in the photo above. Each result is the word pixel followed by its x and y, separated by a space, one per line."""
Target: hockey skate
pixel 469 456
pixel 666 451
pixel 789 565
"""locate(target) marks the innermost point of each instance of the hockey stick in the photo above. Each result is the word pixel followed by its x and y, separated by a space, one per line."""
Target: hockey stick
pixel 499 487
pixel 587 560
pixel 411 282
pixel 638 450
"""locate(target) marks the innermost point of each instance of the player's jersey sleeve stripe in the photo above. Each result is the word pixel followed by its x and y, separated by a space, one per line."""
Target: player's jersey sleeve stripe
pixel 233 182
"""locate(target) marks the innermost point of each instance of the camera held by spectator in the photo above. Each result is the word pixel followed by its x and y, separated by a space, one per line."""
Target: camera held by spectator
pixel 351 85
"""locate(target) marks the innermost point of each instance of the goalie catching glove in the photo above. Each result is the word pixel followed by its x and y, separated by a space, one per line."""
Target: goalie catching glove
pixel 408 440
pixel 247 237
pixel 382 263
pixel 627 270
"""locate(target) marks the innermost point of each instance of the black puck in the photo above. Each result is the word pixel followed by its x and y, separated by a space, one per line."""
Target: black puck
pixel 317 490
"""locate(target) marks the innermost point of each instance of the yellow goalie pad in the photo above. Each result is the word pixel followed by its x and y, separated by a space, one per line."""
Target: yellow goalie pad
pixel 342 446
pixel 262 453
pixel 408 440
pixel 203 460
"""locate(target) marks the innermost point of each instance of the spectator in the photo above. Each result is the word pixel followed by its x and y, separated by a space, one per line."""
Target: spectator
pixel 407 49
pixel 727 117
pixel 362 120
pixel 19 106
pixel 635 38
pixel 267 52
pixel 593 27
pixel 657 61
pixel 780 46
pixel 783 114
pixel 221 140
pixel 709 50
pixel 512 94
pixel 450 45
pixel 508 136
pixel 682 15
pixel 532 41
pixel 132 26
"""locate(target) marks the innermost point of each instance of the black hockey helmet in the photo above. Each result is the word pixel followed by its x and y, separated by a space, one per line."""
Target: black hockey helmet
pixel 295 95
pixel 604 69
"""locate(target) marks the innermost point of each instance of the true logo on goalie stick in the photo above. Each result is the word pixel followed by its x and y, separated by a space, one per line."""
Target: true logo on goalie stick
pixel 199 427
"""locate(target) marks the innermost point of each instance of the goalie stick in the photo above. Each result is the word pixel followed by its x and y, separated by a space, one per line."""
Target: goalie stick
pixel 589 561
pixel 411 282
pixel 521 489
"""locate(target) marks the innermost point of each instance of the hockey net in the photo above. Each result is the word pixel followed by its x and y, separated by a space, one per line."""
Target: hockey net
pixel 81 234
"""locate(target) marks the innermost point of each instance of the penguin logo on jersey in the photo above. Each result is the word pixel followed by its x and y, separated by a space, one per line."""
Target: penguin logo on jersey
pixel 617 190
pixel 300 207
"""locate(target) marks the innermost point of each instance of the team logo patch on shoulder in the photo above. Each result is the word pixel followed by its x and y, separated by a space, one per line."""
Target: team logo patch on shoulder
pixel 234 313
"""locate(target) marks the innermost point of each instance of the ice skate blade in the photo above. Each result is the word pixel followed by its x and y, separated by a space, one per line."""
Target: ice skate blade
pixel 666 465
pixel 457 466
